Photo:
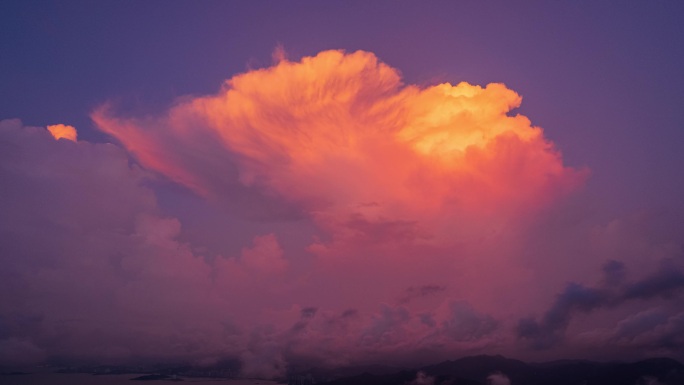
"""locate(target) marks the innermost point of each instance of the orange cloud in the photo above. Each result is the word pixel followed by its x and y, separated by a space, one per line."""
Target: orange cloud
pixel 59 131
pixel 343 137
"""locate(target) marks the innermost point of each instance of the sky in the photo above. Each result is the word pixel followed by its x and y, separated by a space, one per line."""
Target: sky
pixel 329 184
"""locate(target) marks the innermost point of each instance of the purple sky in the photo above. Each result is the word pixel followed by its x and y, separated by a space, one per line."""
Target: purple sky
pixel 340 207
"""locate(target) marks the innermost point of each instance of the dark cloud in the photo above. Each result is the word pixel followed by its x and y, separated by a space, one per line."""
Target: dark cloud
pixel 651 330
pixel 307 314
pixel 549 330
pixel 614 272
pixel 667 282
pixel 350 313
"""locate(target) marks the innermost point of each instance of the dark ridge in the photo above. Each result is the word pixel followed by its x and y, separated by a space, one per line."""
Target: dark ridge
pixel 156 377
pixel 476 370
pixel 402 378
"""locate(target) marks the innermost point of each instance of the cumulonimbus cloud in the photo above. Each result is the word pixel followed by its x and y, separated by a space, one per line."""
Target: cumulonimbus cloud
pixel 423 194
pixel 340 135
pixel 387 171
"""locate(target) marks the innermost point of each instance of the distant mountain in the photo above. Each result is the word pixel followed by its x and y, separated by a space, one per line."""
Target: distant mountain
pixel 478 367
pixel 401 378
pixel 355 371
pixel 476 370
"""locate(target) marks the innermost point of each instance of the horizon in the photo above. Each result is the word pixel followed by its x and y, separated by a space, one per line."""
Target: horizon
pixel 494 369
pixel 340 183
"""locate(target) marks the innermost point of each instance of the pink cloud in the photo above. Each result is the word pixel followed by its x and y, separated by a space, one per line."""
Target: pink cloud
pixel 265 256
pixel 343 137
pixel 388 172
pixel 375 221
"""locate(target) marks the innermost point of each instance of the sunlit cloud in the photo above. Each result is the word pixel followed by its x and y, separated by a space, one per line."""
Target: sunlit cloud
pixel 60 131
pixel 340 135
pixel 425 182
pixel 422 223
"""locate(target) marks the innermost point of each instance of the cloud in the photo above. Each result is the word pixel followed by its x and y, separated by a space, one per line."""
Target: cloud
pixel 423 379
pixel 548 331
pixel 95 270
pixel 419 181
pixel 265 256
pixel 59 131
pixel 465 324
pixel 91 268
pixel 419 292
pixel 666 282
pixel 614 272
pixel 358 220
pixel 654 329
pixel 498 379
pixel 340 135
pixel 388 173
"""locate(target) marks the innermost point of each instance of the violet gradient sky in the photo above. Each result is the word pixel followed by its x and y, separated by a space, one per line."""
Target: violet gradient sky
pixel 184 225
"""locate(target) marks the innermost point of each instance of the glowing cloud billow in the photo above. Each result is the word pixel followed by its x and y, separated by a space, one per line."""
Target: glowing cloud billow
pixel 59 131
pixel 403 182
pixel 342 137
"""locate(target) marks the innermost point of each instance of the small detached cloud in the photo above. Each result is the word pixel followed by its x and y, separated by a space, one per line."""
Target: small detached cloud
pixel 498 378
pixel 423 379
pixel 59 131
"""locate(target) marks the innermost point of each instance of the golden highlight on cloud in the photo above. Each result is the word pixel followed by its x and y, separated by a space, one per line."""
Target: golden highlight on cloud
pixel 340 135
pixel 59 131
